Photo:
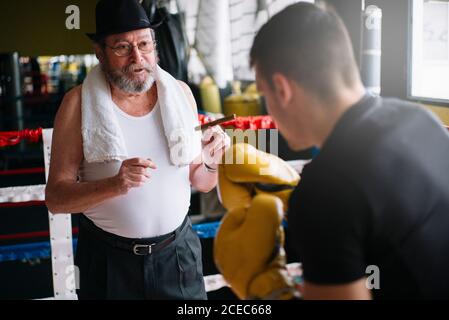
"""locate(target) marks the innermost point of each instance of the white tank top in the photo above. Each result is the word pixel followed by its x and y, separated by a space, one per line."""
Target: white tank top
pixel 160 205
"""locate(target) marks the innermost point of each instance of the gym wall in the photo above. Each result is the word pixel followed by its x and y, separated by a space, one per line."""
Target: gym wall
pixel 394 44
pixel 37 28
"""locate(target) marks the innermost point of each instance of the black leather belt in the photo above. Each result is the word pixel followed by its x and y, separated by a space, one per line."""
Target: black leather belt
pixel 140 247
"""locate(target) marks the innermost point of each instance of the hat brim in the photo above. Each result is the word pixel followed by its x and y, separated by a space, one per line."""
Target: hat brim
pixel 92 36
pixel 97 36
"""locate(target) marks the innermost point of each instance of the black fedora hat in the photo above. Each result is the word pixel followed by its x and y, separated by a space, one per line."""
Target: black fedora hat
pixel 118 16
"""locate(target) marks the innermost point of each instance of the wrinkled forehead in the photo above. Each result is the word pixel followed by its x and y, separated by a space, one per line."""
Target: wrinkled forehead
pixel 131 36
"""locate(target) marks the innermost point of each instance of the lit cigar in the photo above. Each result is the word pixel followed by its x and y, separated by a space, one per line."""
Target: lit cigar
pixel 215 122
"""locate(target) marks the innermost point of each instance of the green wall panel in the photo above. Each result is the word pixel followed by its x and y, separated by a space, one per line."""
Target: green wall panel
pixel 38 27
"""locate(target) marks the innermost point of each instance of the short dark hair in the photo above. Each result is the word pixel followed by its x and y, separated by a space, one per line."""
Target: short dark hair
pixel 308 43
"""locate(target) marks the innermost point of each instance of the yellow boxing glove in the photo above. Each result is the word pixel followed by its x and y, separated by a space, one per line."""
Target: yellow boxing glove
pixel 254 187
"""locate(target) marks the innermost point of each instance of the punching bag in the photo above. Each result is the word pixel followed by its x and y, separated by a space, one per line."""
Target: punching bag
pixel 11 106
pixel 371 52
pixel 171 41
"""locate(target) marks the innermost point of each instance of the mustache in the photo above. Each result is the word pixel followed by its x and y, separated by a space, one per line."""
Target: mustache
pixel 134 66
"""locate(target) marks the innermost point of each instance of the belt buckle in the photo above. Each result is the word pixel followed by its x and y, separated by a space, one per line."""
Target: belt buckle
pixel 147 247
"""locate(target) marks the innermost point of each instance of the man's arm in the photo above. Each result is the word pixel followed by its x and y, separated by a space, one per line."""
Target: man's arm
pixel 64 194
pixel 356 290
pixel 200 178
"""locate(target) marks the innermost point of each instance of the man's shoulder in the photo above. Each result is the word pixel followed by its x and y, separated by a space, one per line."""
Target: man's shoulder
pixel 378 129
pixel 366 149
pixel 71 104
pixel 74 93
pixel 398 102
pixel 188 92
pixel 406 119
pixel 400 110
pixel 183 85
pixel 73 97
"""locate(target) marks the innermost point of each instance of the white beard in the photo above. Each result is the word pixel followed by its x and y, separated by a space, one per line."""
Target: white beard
pixel 120 80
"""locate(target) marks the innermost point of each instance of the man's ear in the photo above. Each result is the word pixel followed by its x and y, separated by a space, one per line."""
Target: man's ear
pixel 283 89
pixel 99 53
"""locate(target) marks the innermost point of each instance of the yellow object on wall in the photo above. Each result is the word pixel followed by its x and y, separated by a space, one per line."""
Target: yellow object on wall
pixel 441 112
pixel 210 95
pixel 242 104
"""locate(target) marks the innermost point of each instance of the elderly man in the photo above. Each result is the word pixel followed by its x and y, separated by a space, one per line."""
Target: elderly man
pixel 369 217
pixel 114 160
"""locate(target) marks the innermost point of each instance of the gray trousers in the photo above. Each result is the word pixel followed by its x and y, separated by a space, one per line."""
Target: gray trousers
pixel 110 272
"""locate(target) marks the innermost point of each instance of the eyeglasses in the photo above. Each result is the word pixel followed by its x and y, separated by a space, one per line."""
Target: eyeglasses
pixel 124 49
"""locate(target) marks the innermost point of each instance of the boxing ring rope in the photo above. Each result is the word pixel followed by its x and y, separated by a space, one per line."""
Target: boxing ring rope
pixel 61 242
pixel 60 226
pixel 22 194
pixel 11 138
pixel 31 194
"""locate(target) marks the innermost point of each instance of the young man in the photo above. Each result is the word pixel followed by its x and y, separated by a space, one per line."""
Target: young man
pixel 375 201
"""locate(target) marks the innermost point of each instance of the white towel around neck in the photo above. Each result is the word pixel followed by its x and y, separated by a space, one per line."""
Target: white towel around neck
pixel 101 133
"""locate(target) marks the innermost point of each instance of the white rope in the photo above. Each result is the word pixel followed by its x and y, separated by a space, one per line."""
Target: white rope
pixel 63 268
pixel 216 281
pixel 23 193
pixel 37 193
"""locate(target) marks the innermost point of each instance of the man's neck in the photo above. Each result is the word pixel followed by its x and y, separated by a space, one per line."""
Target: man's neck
pixel 136 104
pixel 329 115
pixel 119 94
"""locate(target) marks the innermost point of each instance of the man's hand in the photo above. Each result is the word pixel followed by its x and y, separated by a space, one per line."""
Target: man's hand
pixel 215 143
pixel 133 173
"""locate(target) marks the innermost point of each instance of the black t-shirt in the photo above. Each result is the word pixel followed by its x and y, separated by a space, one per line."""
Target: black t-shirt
pixel 377 194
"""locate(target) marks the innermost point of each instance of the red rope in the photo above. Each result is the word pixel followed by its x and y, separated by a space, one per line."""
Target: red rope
pixel 22 204
pixel 27 235
pixel 244 123
pixel 22 171
pixel 11 138
pixel 203 119
pixel 251 123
